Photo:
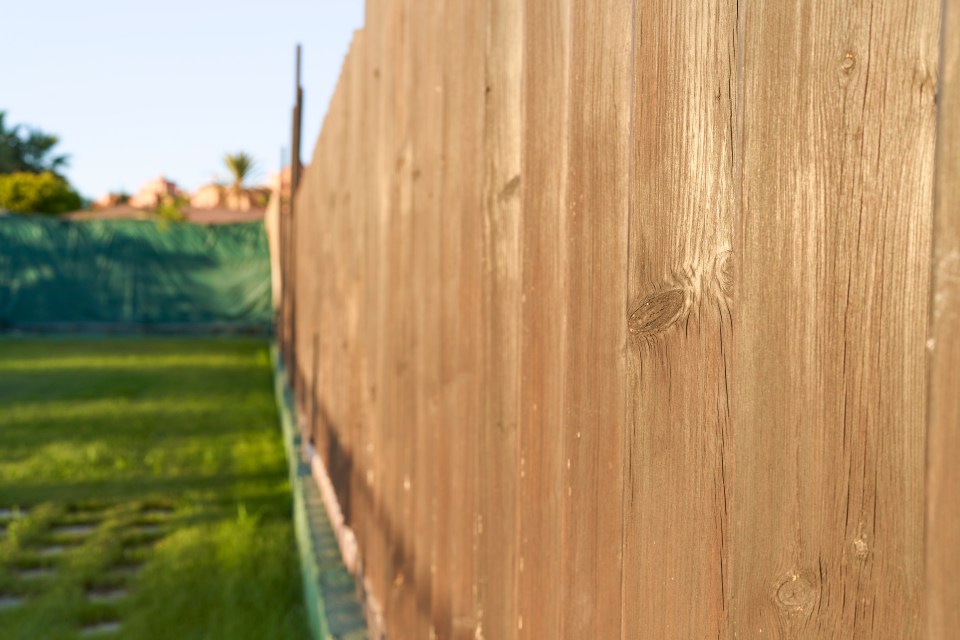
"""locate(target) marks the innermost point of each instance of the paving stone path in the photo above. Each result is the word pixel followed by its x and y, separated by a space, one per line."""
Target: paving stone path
pixel 57 532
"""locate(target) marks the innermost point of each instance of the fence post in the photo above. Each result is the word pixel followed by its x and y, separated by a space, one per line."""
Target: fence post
pixel 292 255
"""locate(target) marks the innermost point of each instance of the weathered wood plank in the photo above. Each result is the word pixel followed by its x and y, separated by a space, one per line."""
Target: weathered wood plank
pixel 402 606
pixel 943 445
pixel 594 309
pixel 447 478
pixel 461 44
pixel 465 180
pixel 544 153
pixel 679 316
pixel 356 285
pixel 322 327
pixel 833 251
pixel 378 566
pixel 396 387
pixel 426 139
pixel 499 311
pixel 371 534
pixel 333 407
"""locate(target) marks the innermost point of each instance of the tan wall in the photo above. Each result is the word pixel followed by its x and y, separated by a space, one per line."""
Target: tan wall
pixel 612 319
pixel 152 193
pixel 209 196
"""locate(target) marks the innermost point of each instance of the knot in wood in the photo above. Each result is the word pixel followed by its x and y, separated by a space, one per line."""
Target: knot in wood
pixel 657 312
pixel 860 548
pixel 848 63
pixel 796 592
pixel 511 188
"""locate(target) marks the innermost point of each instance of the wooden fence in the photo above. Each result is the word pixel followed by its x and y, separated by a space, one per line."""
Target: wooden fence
pixel 641 320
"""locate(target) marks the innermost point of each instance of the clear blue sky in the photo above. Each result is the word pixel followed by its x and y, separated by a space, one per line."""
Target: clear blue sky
pixel 136 89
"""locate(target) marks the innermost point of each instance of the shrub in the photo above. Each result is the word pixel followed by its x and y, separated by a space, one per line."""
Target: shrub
pixel 171 209
pixel 37 193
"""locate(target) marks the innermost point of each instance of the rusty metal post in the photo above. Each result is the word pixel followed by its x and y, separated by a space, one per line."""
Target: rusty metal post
pixel 294 185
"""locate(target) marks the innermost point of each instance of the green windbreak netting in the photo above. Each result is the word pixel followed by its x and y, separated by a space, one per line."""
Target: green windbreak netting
pixel 132 273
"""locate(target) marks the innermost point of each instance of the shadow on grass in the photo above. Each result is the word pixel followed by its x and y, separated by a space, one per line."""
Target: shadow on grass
pixel 168 449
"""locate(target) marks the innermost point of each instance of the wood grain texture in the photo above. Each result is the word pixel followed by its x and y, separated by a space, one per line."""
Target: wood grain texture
pixel 354 242
pixel 462 44
pixel 308 238
pixel 319 328
pixel 426 148
pixel 943 445
pixel 382 21
pixel 679 310
pixel 402 604
pixel 469 183
pixel 832 252
pixel 448 198
pixel 595 331
pixel 500 290
pixel 335 412
pixel 370 532
pixel 613 319
pixel 541 442
pixel 391 570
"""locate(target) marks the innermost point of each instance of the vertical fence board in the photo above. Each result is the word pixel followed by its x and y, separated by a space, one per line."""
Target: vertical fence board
pixel 307 236
pixel 832 285
pixel 595 332
pixel 943 446
pixel 370 536
pixel 462 91
pixel 544 153
pixel 404 346
pixel 394 445
pixel 322 328
pixel 500 287
pixel 356 284
pixel 336 325
pixel 426 140
pixel 380 567
pixel 466 179
pixel 679 310
pixel 445 478
pixel 336 414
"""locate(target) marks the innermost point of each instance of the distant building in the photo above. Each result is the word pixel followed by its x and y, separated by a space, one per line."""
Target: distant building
pixel 111 200
pixel 216 199
pixel 209 196
pixel 215 196
pixel 153 192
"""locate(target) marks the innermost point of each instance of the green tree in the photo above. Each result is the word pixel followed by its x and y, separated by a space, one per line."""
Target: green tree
pixel 46 192
pixel 30 150
pixel 241 166
pixel 171 209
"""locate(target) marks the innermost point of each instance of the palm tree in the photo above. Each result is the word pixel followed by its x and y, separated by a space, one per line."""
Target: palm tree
pixel 241 166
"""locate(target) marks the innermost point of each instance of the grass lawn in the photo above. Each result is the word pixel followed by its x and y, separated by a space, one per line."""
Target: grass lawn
pixel 143 492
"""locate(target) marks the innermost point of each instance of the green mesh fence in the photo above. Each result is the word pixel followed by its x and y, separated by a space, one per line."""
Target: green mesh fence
pixel 116 274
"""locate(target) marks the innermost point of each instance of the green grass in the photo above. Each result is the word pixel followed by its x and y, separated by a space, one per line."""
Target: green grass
pixel 149 475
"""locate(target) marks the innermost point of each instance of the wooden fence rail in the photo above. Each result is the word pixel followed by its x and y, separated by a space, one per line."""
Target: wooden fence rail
pixel 641 320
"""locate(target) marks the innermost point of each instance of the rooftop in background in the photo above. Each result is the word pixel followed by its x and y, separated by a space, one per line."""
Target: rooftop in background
pixel 194 215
